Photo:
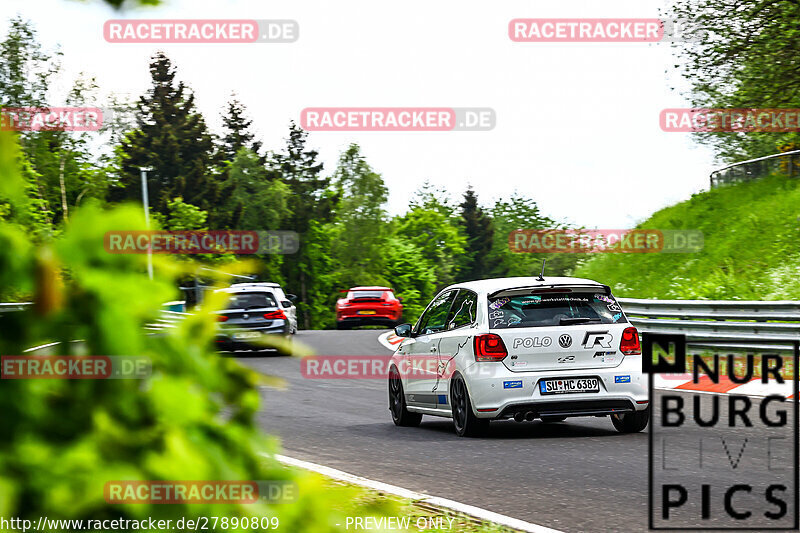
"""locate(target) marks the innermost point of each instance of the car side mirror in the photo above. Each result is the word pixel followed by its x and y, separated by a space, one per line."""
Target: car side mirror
pixel 403 330
pixel 292 297
pixel 286 303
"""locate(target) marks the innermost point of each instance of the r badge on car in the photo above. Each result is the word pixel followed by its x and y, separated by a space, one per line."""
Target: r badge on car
pixel 597 338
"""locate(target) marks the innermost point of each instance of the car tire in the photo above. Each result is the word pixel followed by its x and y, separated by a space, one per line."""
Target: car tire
pixel 465 422
pixel 342 325
pixel 631 422
pixel 550 419
pixel 401 416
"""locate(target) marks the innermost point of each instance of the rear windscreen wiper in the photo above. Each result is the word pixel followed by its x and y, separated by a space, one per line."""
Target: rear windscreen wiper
pixel 577 320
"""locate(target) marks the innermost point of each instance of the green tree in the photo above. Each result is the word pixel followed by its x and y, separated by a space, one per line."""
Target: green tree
pixel 745 56
pixel 478 261
pixel 252 199
pixel 436 235
pixel 519 212
pixel 311 200
pixel 361 226
pixel 182 217
pixel 172 139
pixel 26 69
pixel 238 131
pixel 61 170
pixel 411 275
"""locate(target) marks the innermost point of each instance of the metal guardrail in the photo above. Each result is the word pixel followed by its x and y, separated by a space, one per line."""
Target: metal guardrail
pixel 718 324
pixel 166 319
pixel 7 308
pixel 707 324
pixel 785 163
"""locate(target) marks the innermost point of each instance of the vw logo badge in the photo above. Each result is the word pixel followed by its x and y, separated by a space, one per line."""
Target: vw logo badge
pixel 565 341
pixel 246 316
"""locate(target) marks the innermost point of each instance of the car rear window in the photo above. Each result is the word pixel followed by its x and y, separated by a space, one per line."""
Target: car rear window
pixel 553 309
pixel 252 300
pixel 366 295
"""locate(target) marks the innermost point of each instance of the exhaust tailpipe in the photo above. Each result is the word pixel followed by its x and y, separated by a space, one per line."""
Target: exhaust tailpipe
pixel 530 415
pixel 519 417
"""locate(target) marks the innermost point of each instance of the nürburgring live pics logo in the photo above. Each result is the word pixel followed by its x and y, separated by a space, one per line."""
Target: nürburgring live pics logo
pixel 722 461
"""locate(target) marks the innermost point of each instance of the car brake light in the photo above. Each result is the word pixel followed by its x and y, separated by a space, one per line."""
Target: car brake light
pixel 275 315
pixel 222 318
pixel 629 345
pixel 489 347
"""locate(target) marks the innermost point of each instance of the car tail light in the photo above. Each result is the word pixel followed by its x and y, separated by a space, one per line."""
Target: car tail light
pixel 275 315
pixel 629 345
pixel 222 318
pixel 489 347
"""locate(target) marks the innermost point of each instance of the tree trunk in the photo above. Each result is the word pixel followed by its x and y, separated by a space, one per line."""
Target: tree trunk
pixel 64 205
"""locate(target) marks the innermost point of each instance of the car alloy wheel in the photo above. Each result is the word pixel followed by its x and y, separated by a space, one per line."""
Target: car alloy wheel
pixel 401 416
pixel 465 422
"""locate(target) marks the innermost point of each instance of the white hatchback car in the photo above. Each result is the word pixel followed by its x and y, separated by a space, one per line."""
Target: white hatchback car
pixel 520 348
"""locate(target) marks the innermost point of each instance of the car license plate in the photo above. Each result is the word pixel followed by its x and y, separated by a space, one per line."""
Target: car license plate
pixel 246 335
pixel 569 385
pixel 366 312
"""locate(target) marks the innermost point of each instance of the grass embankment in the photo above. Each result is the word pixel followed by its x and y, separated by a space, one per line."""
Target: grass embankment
pixel 751 249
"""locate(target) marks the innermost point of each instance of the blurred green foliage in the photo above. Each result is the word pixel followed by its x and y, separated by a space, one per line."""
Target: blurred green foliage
pixel 193 419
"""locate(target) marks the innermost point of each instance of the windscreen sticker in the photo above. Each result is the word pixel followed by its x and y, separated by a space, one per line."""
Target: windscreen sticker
pixel 617 317
pixel 581 299
pixel 496 314
pixel 498 322
pixel 514 320
pixel 603 298
pixel 533 300
pixel 499 303
pixel 614 308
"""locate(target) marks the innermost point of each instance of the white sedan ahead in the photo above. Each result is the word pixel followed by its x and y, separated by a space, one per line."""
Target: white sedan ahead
pixel 521 348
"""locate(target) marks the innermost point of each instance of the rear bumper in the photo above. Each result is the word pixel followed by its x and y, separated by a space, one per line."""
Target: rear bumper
pixel 228 339
pixel 365 320
pixel 496 392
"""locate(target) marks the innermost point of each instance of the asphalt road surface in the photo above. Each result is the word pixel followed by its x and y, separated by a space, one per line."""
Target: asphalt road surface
pixel 578 475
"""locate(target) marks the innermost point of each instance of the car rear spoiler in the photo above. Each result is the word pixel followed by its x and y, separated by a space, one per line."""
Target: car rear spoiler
pixel 551 288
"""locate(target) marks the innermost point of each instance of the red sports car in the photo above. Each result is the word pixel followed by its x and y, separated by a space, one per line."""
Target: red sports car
pixel 368 306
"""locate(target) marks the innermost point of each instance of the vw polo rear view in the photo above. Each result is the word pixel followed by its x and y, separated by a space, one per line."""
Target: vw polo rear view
pixel 522 348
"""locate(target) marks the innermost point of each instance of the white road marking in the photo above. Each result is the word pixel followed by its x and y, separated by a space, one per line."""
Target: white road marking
pixel 462 508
